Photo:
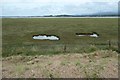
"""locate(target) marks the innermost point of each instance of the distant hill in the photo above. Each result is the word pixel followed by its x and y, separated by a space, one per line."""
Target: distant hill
pixel 106 14
pixel 100 14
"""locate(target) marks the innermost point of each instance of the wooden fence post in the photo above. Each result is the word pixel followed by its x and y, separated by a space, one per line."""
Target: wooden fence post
pixel 109 43
pixel 65 48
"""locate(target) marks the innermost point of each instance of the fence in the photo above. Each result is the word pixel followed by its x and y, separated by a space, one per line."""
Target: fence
pixel 41 49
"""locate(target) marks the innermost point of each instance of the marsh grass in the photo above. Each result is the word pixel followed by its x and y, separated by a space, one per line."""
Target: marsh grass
pixel 9 50
pixel 17 35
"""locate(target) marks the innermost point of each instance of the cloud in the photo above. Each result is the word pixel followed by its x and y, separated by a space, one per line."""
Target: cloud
pixel 57 1
pixel 46 7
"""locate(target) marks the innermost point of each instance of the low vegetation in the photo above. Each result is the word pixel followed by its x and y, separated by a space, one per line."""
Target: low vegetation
pixel 70 57
pixel 98 64
pixel 18 32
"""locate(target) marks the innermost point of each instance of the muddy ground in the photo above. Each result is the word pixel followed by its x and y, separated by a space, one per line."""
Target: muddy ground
pixel 99 64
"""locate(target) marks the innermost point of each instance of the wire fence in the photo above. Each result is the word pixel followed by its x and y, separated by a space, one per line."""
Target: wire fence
pixel 46 49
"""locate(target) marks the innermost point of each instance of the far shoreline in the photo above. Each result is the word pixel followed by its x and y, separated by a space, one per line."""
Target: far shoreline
pixel 56 17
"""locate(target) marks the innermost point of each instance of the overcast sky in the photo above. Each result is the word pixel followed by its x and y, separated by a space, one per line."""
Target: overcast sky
pixel 55 7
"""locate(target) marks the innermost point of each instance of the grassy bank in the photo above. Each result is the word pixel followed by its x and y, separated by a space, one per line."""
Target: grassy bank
pixel 98 64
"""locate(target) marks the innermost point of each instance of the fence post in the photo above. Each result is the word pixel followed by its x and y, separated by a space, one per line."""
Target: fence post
pixel 109 43
pixel 65 48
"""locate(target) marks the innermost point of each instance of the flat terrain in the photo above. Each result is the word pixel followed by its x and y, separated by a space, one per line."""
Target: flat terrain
pixel 70 57
pixel 98 64
pixel 18 32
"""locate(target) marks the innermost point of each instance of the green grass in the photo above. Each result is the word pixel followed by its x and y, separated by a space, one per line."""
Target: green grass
pixel 17 35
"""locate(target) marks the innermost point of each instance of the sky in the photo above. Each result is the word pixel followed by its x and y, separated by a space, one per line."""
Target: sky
pixel 56 7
